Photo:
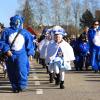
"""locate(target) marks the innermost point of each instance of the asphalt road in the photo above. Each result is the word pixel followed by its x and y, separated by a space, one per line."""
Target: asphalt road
pixel 78 86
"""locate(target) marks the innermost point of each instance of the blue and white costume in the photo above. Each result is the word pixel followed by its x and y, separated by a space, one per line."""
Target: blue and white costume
pixel 18 63
pixel 94 42
pixel 84 54
pixel 59 55
pixel 44 44
pixel 66 49
pixel 42 47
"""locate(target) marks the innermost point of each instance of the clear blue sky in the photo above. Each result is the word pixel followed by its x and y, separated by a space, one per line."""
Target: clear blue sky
pixel 8 8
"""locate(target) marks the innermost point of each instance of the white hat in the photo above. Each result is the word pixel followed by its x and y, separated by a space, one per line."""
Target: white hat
pixel 59 30
pixel 48 31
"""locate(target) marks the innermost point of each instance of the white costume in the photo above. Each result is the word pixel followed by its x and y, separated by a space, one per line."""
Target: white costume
pixel 44 44
pixel 68 54
pixel 59 56
pixel 43 48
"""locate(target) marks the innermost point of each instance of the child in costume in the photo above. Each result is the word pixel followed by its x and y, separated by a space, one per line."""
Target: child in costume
pixel 59 55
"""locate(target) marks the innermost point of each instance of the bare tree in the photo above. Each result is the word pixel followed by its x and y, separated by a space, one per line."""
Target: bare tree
pixel 56 11
pixel 47 12
pixel 40 10
pixel 91 5
pixel 85 5
pixel 94 4
pixel 27 13
pixel 76 5
pixel 67 11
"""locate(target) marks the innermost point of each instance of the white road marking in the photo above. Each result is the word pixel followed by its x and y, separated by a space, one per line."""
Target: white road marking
pixel 31 64
pixel 35 78
pixel 37 82
pixel 32 69
pixel 34 74
pixel 39 91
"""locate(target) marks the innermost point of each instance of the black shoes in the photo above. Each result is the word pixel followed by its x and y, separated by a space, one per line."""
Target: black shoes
pixel 16 91
pixel 62 85
pixel 51 77
pixel 57 79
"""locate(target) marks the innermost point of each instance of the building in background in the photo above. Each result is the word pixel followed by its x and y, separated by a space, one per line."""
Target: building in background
pixel 97 14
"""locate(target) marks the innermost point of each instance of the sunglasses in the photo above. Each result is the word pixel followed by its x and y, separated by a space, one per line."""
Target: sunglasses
pixel 96 24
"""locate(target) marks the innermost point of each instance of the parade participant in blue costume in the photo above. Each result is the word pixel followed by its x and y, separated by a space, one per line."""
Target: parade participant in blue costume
pixel 75 45
pixel 59 55
pixel 83 46
pixel 17 62
pixel 94 42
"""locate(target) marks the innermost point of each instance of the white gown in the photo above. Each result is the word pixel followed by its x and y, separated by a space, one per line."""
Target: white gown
pixel 67 50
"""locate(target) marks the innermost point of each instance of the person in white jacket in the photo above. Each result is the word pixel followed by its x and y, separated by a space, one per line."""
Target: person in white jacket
pixel 59 55
pixel 43 47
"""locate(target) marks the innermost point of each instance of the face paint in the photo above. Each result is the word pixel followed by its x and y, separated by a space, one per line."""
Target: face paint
pixel 17 23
